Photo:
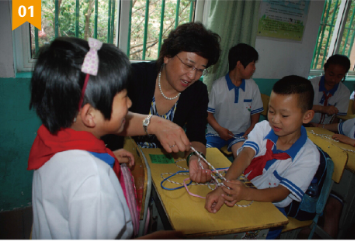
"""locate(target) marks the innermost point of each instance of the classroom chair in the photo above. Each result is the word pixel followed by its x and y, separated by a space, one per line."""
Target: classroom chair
pixel 227 153
pixel 350 114
pixel 350 108
pixel 292 229
pixel 265 99
pixel 143 183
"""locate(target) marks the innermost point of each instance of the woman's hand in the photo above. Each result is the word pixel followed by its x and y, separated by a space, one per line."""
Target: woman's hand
pixel 171 136
pixel 197 174
pixel 124 156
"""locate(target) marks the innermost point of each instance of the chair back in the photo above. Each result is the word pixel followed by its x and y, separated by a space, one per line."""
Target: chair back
pixel 307 208
pixel 350 108
pixel 142 181
pixel 265 99
pixel 323 197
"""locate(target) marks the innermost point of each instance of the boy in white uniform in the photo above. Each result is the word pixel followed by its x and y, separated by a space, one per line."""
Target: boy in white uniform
pixel 234 102
pixel 78 90
pixel 278 158
pixel 334 206
pixel 331 97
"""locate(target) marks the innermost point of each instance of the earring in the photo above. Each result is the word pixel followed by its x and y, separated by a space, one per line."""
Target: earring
pixel 74 120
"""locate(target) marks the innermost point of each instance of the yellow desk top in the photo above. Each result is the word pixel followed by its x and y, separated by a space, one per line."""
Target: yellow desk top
pixel 333 148
pixel 188 214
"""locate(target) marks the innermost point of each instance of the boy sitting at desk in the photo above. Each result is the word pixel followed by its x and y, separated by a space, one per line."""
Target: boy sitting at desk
pixel 235 102
pixel 278 158
pixel 334 206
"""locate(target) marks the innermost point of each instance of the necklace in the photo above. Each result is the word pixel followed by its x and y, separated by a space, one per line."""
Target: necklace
pixel 168 98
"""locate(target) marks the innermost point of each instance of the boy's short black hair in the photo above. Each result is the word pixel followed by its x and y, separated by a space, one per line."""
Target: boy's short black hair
pixel 338 59
pixel 243 53
pixel 57 81
pixel 294 84
pixel 191 37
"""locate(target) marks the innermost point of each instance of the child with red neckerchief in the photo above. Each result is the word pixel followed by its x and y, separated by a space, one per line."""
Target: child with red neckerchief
pixel 78 90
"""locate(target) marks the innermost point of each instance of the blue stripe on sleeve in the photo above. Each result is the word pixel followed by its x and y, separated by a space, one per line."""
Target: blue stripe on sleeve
pixel 257 111
pixel 342 113
pixel 289 185
pixel 252 145
pixel 211 110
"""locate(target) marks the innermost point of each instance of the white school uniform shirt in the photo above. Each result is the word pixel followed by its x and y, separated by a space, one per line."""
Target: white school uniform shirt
pixel 339 99
pixel 232 106
pixel 347 128
pixel 294 173
pixel 78 196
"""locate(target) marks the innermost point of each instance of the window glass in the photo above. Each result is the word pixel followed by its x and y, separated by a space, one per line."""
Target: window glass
pixel 347 41
pixel 77 18
pixel 154 24
pixel 336 34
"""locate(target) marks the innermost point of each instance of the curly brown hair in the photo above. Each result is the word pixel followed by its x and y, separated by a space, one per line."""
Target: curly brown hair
pixel 191 37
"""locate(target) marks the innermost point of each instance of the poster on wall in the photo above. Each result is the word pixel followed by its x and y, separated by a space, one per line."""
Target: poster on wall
pixel 284 20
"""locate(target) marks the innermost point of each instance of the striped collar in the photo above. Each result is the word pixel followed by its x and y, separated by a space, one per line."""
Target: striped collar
pixel 293 150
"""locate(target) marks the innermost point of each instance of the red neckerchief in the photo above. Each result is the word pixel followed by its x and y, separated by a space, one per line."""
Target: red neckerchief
pixel 326 97
pixel 47 145
pixel 257 165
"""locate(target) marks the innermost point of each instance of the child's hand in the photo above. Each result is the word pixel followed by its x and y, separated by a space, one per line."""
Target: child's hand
pixel 225 134
pixel 197 174
pixel 124 156
pixel 343 139
pixel 330 110
pixel 246 133
pixel 214 200
pixel 235 193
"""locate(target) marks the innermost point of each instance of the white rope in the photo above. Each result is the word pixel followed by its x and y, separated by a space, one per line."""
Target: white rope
pixel 217 172
pixel 329 137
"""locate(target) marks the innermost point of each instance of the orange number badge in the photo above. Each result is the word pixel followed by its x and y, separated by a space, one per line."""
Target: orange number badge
pixel 26 11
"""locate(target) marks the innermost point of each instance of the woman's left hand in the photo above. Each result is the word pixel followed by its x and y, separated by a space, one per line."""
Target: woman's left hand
pixel 171 136
pixel 124 156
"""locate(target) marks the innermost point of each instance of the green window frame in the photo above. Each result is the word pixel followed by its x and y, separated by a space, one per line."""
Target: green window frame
pixel 119 25
pixel 336 34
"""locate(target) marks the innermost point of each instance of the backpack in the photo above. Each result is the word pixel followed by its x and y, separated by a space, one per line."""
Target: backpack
pixel 132 203
pixel 306 209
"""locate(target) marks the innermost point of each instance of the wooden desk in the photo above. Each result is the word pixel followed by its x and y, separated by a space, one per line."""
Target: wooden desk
pixel 344 178
pixel 331 147
pixel 188 214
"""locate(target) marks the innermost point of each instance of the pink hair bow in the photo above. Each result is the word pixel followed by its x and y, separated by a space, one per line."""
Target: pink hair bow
pixel 91 60
pixel 90 65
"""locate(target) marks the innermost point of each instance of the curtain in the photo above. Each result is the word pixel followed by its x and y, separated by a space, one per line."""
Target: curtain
pixel 235 22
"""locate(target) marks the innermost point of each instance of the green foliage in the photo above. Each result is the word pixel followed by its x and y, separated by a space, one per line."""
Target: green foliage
pixel 68 22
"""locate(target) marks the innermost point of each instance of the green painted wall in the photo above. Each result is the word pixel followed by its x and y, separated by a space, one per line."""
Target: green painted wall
pixel 18 130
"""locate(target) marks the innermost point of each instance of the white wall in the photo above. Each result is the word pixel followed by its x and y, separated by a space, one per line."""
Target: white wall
pixel 280 58
pixel 6 53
